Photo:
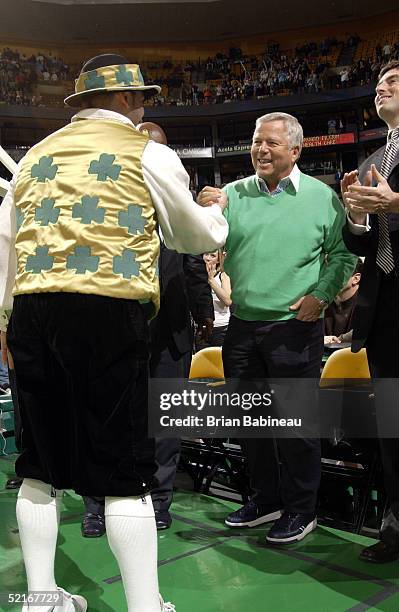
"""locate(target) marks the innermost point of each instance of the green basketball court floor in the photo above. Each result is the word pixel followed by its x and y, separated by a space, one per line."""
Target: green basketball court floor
pixel 206 567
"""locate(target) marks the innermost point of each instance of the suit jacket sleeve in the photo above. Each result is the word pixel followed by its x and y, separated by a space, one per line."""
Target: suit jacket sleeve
pixel 198 289
pixel 361 245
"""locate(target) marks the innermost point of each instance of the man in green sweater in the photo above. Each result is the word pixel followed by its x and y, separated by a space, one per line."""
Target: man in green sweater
pixel 287 261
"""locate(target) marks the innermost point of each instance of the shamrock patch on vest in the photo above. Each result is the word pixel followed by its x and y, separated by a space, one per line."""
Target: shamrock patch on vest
pixel 39 262
pixel 19 218
pixel 105 168
pixel 82 261
pixel 88 211
pixel 132 219
pixel 126 264
pixel 44 170
pixel 46 213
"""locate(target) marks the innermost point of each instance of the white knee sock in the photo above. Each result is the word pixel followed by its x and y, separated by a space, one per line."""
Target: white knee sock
pixel 38 516
pixel 132 537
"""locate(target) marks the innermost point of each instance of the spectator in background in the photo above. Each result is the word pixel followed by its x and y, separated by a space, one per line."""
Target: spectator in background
pixel 332 126
pixel 208 95
pixel 220 286
pixel 386 52
pixel 344 77
pixel 4 380
pixel 338 315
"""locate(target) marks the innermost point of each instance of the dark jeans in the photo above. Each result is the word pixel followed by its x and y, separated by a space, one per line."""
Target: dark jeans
pixel 216 339
pixel 283 471
pixel 382 345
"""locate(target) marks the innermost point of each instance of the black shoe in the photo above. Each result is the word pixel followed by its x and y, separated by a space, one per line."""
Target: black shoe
pixel 291 527
pixel 93 525
pixel 14 482
pixel 251 515
pixel 163 519
pixel 380 553
pixel 390 530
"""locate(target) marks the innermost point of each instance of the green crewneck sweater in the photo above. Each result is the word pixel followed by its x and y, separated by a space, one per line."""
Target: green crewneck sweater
pixel 284 247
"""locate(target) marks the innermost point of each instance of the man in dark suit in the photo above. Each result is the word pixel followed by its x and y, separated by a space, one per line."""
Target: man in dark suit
pixel 184 290
pixel 371 196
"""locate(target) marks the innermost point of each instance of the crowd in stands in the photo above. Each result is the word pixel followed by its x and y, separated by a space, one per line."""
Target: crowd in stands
pixel 19 75
pixel 365 71
pixel 309 68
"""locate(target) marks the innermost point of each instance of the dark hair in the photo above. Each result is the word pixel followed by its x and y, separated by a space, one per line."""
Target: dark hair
pixel 359 267
pixel 390 66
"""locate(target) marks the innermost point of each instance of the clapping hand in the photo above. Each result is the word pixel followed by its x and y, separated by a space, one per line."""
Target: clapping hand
pixel 365 199
pixel 352 178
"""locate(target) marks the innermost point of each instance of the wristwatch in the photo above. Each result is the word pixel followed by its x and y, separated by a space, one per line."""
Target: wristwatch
pixel 322 303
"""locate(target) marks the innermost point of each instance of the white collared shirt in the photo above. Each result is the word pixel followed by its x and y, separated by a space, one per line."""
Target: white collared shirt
pixel 293 178
pixel 186 227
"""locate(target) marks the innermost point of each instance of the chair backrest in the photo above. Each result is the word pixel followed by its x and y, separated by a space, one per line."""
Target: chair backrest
pixel 345 364
pixel 207 363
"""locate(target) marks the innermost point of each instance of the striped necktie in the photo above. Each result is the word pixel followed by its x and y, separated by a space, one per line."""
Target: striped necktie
pixel 385 258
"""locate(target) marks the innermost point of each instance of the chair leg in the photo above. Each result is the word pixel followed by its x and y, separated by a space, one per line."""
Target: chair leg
pixel 208 480
pixel 367 490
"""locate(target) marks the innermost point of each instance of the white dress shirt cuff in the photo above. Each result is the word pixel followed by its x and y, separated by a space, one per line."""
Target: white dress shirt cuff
pixel 357 229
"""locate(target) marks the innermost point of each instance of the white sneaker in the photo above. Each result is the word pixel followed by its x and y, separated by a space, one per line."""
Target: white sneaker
pixel 70 603
pixel 166 606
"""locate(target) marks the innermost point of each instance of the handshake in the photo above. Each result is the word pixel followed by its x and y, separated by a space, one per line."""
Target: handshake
pixel 212 195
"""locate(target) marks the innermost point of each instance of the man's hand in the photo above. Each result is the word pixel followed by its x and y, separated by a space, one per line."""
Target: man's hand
pixel 372 200
pixel 351 178
pixel 212 195
pixel 309 308
pixel 205 329
pixel 331 340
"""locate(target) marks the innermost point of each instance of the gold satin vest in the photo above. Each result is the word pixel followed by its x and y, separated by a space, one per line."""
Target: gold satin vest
pixel 85 218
